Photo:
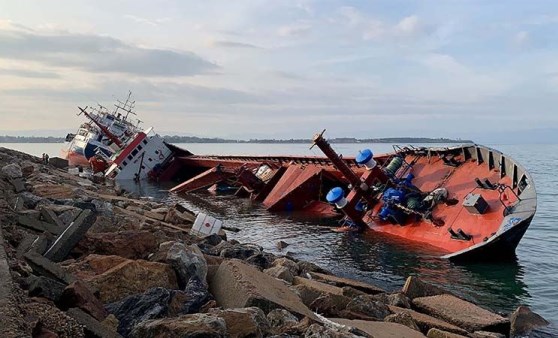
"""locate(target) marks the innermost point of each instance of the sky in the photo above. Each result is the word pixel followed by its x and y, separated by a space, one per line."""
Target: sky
pixel 284 68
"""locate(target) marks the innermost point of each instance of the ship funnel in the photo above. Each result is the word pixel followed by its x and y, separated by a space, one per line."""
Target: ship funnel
pixel 337 196
pixel 366 157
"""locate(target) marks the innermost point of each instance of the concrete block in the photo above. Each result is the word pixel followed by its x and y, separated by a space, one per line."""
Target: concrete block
pixel 50 217
pixel 341 282
pixel 462 313
pixel 37 225
pixel 93 328
pixel 71 236
pixel 238 285
pixel 25 245
pixel 45 267
pixel 380 329
pixel 426 322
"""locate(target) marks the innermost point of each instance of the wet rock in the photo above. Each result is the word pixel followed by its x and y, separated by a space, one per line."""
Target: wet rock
pixel 369 306
pixel 127 244
pixel 240 251
pixel 280 320
pixel 216 250
pixel 46 287
pixel 307 267
pixel 523 321
pixel 261 260
pixel 212 240
pixel 194 325
pixel 462 313
pixel 12 171
pixel 280 272
pixel 415 287
pixel 436 333
pixel 426 322
pixel 287 263
pixel 192 299
pixel 244 322
pixel 237 284
pixel 78 295
pixel 403 319
pixel 281 245
pixel 132 277
pixel 330 305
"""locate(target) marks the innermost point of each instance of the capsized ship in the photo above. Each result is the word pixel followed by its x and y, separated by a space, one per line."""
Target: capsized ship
pixel 470 202
pixel 113 143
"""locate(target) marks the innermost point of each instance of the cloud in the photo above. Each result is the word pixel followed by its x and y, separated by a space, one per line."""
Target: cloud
pixel 521 38
pixel 153 23
pixel 29 73
pixel 408 25
pixel 294 30
pixel 99 54
pixel 233 44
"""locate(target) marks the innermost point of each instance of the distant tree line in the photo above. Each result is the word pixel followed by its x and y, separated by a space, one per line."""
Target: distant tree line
pixel 30 139
pixel 194 139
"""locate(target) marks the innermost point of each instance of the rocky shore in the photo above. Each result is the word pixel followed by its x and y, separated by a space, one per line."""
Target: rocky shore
pixel 80 258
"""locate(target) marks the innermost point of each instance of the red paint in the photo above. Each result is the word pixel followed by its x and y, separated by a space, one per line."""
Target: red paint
pixel 126 151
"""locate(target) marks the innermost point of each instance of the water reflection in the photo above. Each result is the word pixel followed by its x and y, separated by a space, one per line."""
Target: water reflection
pixel 370 257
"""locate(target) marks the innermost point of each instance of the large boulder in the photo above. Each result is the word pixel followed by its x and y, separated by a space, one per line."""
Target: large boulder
pixel 127 244
pixel 402 318
pixel 292 266
pixel 12 171
pixel 368 306
pixel 280 272
pixel 462 313
pixel 281 320
pixel 188 262
pixel 132 277
pixel 240 251
pixel 330 305
pixel 152 304
pixel 243 322
pixel 380 329
pixel 415 287
pixel 78 295
pixel 193 325
pixel 237 284
pixel 341 282
pixel 45 287
pixel 523 321
pixel 426 322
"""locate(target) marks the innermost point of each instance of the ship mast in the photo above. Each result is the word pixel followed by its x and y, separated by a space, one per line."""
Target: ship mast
pixel 105 130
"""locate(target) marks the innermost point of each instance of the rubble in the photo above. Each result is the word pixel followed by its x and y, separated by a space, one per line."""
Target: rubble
pixel 87 260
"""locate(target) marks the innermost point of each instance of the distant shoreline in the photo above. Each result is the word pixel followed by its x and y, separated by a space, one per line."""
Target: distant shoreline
pixel 191 139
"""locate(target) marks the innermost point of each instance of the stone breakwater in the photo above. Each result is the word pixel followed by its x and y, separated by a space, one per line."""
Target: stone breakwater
pixel 78 258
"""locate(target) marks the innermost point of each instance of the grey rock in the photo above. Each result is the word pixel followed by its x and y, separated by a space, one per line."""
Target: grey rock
pixel 188 262
pixel 369 306
pixel 280 272
pixel 523 321
pixel 46 287
pixel 30 200
pixel 279 319
pixel 240 251
pixel 12 171
pixel 402 318
pixel 194 325
pixel 289 264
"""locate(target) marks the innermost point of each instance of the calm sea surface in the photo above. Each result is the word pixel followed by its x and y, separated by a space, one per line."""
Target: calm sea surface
pixel 532 279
